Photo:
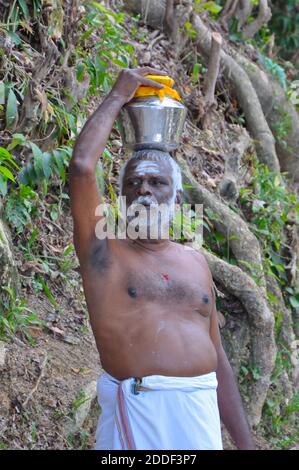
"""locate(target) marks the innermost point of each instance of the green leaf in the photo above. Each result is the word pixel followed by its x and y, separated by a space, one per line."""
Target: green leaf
pixel 195 73
pixel 59 157
pixel 17 139
pixel 7 173
pixel 3 186
pixel 106 154
pixel 294 302
pixel 100 7
pixel 100 68
pixel 212 7
pixel 5 155
pixel 37 160
pixel 11 109
pixel 47 292
pixel 24 8
pixel 14 37
pixel 54 214
pixel 68 249
pixel 80 71
pixel 47 164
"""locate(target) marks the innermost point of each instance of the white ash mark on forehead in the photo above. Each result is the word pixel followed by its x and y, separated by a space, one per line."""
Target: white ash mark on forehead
pixel 145 166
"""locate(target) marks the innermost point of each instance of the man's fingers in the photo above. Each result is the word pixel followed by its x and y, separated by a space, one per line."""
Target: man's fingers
pixel 151 71
pixel 149 82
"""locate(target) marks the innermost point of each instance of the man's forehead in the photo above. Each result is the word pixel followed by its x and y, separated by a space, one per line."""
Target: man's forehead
pixel 144 167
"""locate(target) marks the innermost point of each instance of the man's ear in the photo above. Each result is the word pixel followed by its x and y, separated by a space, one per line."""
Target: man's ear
pixel 179 196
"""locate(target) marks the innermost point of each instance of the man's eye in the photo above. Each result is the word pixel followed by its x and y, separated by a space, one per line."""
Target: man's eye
pixel 133 183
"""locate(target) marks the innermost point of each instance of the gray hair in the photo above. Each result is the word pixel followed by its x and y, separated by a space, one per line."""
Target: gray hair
pixel 155 156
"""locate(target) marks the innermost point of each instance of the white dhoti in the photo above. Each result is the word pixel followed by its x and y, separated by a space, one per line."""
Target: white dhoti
pixel 162 413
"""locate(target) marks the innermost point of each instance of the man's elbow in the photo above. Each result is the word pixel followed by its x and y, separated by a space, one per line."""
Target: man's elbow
pixel 79 167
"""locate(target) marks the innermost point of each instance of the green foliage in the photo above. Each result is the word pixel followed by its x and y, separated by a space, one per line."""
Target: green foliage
pixel 293 93
pixel 249 373
pixel 271 205
pixel 43 165
pixel 78 440
pixel 293 297
pixel 212 7
pixel 282 126
pixel 16 317
pixel 190 31
pixel 7 166
pixel 11 109
pixel 285 24
pixel 280 416
pixel 111 52
pixel 195 73
pixel 20 206
pixel 277 72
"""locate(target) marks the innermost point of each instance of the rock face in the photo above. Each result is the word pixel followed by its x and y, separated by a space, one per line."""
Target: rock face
pixel 8 270
pixel 2 355
pixel 88 395
pixel 152 12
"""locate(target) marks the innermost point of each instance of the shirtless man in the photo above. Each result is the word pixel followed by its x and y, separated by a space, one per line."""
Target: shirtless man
pixel 151 302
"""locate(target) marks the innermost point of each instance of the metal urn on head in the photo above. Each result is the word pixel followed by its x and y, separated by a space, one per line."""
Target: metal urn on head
pixel 153 123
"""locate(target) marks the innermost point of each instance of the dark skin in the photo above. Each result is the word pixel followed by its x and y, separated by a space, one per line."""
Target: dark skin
pixel 151 302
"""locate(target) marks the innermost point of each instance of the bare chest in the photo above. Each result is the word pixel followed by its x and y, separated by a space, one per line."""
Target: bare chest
pixel 174 284
pixel 166 281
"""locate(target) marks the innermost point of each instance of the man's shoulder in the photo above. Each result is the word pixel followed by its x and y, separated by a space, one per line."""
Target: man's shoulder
pixel 195 252
pixel 190 248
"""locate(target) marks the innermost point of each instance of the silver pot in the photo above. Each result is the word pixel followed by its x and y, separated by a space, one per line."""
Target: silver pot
pixel 148 122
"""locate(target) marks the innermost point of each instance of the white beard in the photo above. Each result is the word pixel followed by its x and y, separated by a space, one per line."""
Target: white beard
pixel 153 220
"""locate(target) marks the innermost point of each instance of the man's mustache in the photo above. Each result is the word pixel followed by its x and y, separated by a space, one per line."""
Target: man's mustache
pixel 145 201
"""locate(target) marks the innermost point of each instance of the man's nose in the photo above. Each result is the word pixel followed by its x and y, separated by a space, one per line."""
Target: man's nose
pixel 144 189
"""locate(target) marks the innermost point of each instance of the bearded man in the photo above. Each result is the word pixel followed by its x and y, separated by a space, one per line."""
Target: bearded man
pixel 167 380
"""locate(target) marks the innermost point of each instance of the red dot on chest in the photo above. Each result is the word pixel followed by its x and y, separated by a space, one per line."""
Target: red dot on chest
pixel 165 276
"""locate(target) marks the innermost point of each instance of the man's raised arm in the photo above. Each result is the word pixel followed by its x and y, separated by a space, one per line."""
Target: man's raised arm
pixel 88 148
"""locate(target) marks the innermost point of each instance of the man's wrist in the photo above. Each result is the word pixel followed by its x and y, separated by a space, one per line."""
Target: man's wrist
pixel 246 445
pixel 117 97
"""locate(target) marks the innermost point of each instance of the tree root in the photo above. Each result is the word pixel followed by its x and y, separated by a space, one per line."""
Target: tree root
pixel 211 78
pixel 247 96
pixel 280 113
pixel 228 11
pixel 261 322
pixel 243 243
pixel 264 15
pixel 243 12
pixel 228 187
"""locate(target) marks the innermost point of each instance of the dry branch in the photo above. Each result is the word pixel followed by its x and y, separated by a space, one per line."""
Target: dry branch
pixel 41 375
pixel 29 111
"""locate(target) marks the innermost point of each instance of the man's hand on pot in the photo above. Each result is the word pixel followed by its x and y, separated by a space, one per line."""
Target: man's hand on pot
pixel 130 79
